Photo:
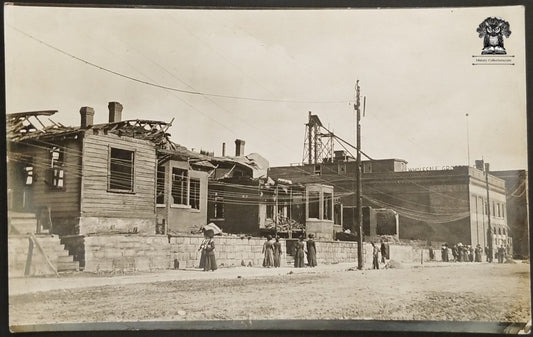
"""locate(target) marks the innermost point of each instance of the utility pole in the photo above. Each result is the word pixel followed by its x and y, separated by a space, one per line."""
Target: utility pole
pixel 467 141
pixel 489 234
pixel 359 222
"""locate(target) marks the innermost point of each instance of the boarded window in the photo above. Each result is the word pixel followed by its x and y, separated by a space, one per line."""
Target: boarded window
pixel 121 170
pixel 328 200
pixel 57 174
pixel 160 199
pixel 313 204
pixel 194 193
pixel 179 186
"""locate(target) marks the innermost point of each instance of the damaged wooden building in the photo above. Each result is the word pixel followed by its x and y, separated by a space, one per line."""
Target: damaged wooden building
pixel 128 177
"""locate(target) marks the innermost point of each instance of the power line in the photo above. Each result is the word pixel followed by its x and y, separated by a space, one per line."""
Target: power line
pixel 190 92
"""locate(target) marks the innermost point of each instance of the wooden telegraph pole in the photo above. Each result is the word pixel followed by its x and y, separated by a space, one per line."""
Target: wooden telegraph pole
pixel 359 222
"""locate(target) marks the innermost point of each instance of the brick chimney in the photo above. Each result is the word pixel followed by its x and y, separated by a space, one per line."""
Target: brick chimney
pixel 239 147
pixel 115 112
pixel 223 149
pixel 87 117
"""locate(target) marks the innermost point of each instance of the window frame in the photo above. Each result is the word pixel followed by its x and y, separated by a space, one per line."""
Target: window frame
pixel 193 197
pixel 160 187
pixel 184 188
pixel 56 169
pixel 109 171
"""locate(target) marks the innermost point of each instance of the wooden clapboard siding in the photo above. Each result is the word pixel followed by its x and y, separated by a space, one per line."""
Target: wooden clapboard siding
pixel 96 199
pixel 66 201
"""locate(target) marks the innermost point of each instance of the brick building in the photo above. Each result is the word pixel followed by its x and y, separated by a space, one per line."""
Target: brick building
pixel 517 211
pixel 436 204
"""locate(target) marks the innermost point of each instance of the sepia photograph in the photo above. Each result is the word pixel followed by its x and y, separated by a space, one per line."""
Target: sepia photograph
pixel 201 168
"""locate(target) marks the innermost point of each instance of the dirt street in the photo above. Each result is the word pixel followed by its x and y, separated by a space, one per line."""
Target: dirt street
pixel 453 292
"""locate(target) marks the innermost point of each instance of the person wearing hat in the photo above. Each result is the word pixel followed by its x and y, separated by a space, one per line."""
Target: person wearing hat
pixel 299 253
pixel 202 251
pixel 268 250
pixel 311 251
pixel 210 260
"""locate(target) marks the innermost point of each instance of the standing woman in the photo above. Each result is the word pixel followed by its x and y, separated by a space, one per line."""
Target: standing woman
pixel 202 251
pixel 311 251
pixel 277 253
pixel 210 261
pixel 375 256
pixel 268 250
pixel 299 254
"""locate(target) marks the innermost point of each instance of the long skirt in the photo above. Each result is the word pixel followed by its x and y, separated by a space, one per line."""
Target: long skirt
pixel 202 260
pixel 311 257
pixel 210 262
pixel 268 260
pixel 299 259
pixel 277 259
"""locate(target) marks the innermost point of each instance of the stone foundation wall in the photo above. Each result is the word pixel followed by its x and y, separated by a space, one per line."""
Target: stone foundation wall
pixel 126 252
pixel 229 251
pixel 336 251
pixel 134 252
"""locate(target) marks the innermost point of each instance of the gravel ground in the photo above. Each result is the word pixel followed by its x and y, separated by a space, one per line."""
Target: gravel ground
pixel 455 292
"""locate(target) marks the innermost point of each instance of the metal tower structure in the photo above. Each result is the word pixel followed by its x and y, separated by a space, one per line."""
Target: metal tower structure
pixel 318 142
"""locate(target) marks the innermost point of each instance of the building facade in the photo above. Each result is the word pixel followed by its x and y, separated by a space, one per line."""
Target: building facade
pixel 445 205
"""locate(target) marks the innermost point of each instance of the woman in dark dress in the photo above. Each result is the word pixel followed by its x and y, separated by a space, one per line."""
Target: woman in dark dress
pixel 268 250
pixel 311 251
pixel 299 254
pixel 277 253
pixel 202 251
pixel 210 261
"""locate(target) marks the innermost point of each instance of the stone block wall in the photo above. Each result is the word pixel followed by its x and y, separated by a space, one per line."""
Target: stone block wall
pixel 126 252
pixel 336 251
pixel 229 251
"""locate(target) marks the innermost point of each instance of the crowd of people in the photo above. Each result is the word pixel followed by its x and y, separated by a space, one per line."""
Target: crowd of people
pixel 272 252
pixel 467 253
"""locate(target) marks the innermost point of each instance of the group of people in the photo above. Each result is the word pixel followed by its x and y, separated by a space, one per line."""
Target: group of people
pixel 272 252
pixel 467 253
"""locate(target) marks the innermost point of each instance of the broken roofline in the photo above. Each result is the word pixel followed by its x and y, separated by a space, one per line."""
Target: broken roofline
pixel 58 130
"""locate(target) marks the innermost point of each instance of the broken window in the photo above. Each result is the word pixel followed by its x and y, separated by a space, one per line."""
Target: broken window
pixel 160 189
pixel 28 173
pixel 121 170
pixel 218 206
pixel 179 186
pixel 328 201
pixel 194 193
pixel 313 204
pixel 57 174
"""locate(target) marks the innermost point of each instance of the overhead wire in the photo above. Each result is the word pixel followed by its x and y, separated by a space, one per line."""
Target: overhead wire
pixel 190 92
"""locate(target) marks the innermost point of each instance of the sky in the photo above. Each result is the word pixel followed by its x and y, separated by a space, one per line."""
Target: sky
pixel 413 65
